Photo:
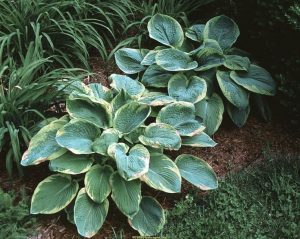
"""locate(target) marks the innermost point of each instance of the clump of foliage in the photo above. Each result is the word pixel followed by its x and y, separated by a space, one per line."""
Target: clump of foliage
pixel 110 142
pixel 200 66
pixel 15 220
pixel 261 202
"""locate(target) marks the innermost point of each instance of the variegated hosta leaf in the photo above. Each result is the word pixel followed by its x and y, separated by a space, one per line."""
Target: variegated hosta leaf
pixel 239 63
pixel 101 92
pixel 129 60
pixel 191 89
pixel 238 116
pixel 133 137
pixel 195 32
pixel 156 99
pixel 149 59
pixel 165 30
pixel 155 76
pixel 121 147
pixel 199 140
pixel 159 135
pixel 175 60
pixel 96 182
pixel 180 115
pixel 222 29
pixel 126 194
pixel 129 85
pixel 209 46
pixel 130 116
pixel 120 99
pixel 132 164
pixel 150 218
pixel 211 111
pixel 71 163
pixel 53 194
pixel 163 174
pixel 98 113
pixel 257 80
pixel 77 87
pixel 197 172
pixel 236 94
pixel 108 137
pixel 43 145
pixel 78 136
pixel 89 216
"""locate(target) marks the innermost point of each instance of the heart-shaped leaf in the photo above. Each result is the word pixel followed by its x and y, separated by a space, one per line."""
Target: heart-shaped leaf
pixel 107 138
pixel 69 163
pixel 150 218
pixel 101 92
pixel 156 99
pixel 53 194
pixel 155 76
pixel 197 172
pixel 163 174
pixel 96 182
pixel 132 164
pixel 238 63
pixel 257 80
pixel 129 60
pixel 130 116
pixel 175 60
pixel 195 32
pixel 149 59
pixel 122 98
pixel 191 89
pixel 161 136
pixel 199 140
pixel 180 115
pixel 77 136
pixel 165 30
pixel 126 194
pixel 238 116
pixel 211 111
pixel 236 94
pixel 88 215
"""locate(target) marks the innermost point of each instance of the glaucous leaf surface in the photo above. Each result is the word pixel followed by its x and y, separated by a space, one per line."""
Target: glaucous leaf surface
pixel 199 140
pixel 159 135
pixel 77 136
pixel 101 92
pixel 130 116
pixel 108 137
pixel 195 32
pixel 211 111
pixel 175 60
pixel 53 194
pixel 69 163
pixel 88 215
pixel 238 63
pixel 120 99
pixel 133 137
pixel 165 30
pixel 197 172
pixel 182 88
pixel 150 218
pixel 257 80
pixel 97 113
pixel 163 174
pixel 156 76
pixel 149 59
pixel 97 184
pixel 126 194
pixel 238 116
pixel 129 85
pixel 133 163
pixel 233 92
pixel 180 115
pixel 129 60
pixel 43 145
pixel 222 29
pixel 156 99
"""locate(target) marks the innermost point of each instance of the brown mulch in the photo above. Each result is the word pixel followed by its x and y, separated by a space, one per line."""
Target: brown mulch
pixel 236 149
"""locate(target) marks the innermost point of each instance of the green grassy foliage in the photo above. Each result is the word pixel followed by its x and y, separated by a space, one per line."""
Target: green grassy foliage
pixel 15 221
pixel 261 202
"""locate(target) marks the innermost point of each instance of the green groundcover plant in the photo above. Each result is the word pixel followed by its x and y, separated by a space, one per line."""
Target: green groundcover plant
pixel 110 142
pixel 200 66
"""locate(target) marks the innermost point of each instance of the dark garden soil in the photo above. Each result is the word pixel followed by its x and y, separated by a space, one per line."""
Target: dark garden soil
pixel 237 148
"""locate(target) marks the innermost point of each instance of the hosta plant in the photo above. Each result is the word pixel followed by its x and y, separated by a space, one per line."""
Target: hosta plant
pixel 110 142
pixel 199 65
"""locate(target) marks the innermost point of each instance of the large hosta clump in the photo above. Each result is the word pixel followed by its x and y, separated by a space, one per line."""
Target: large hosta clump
pixel 110 142
pixel 200 66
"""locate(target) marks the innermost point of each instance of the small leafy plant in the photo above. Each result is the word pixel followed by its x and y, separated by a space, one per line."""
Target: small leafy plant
pixel 198 66
pixel 117 137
